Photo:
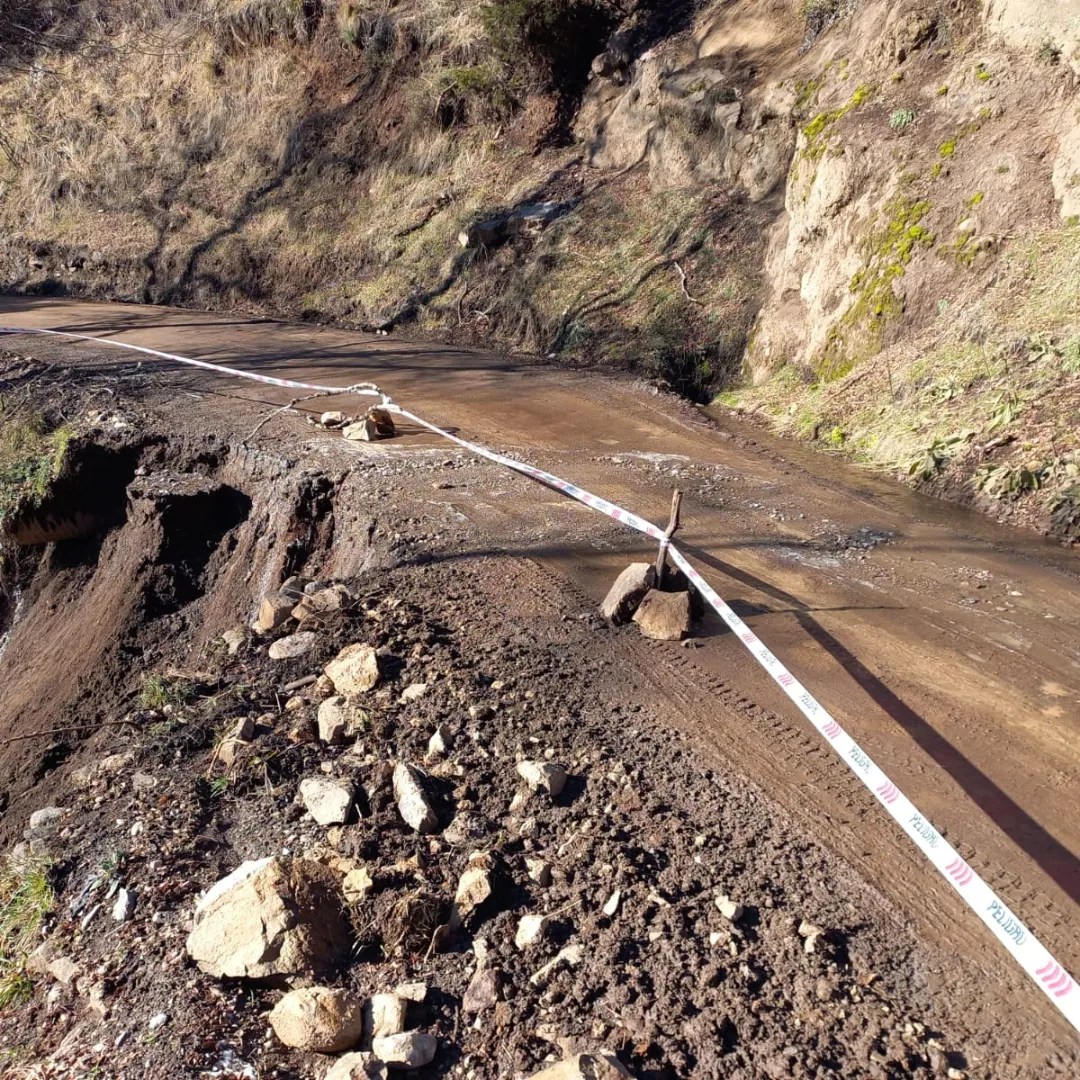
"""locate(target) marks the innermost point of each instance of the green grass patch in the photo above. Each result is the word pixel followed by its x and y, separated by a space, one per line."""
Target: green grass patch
pixel 31 457
pixel 26 897
pixel 159 691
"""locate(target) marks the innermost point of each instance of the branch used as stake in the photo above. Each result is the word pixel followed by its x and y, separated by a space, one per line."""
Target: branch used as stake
pixel 673 526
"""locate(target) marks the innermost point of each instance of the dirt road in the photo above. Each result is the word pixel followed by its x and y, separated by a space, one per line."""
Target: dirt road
pixel 949 647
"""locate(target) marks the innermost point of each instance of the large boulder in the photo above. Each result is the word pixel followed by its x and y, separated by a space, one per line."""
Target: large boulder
pixel 318 1019
pixel 664 616
pixel 628 591
pixel 274 919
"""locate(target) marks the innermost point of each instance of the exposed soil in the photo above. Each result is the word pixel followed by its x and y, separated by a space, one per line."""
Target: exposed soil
pixel 463 578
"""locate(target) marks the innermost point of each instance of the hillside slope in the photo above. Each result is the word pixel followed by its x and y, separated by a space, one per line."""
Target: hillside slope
pixel 856 218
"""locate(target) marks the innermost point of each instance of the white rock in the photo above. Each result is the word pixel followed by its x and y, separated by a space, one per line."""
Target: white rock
pixel 338 720
pixel 599 1066
pixel 412 991
pixel 354 670
pixel 158 1021
pixel 124 906
pixel 414 692
pixel 409 1050
pixel 358 1066
pixel 613 903
pixel 729 909
pixel 332 419
pixel 292 645
pixel 474 888
pixel 327 801
pixel 45 818
pixel 539 871
pixel 412 802
pixel 571 956
pixel 543 776
pixel 387 1015
pixel 440 743
pixel 531 929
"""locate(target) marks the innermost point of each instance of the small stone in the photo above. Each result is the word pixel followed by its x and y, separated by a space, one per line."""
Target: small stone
pixel 539 871
pixel 440 743
pixel 571 956
pixel 357 1066
pixel 234 640
pixel 480 712
pixel 292 645
pixel 46 818
pixel 321 602
pixel 124 906
pixel 731 911
pixel 474 888
pixel 327 801
pixel 243 729
pixel 412 802
pixel 333 418
pixel 483 991
pixel 414 692
pixel 409 1050
pixel 357 884
pixel 338 720
pixel 412 991
pixel 158 1021
pixel 529 828
pixel 956 1074
pixel 584 1067
pixel 274 611
pixel 612 905
pixel 354 670
pixel 318 1019
pixel 387 1015
pixel 543 776
pixel 531 929
pixel 627 593
pixel 824 989
pixel 664 616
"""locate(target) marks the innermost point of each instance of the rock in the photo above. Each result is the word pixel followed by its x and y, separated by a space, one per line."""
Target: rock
pixel 320 603
pixel 327 801
pixel 124 906
pixel 354 670
pixel 811 936
pixel 483 991
pixel 412 802
pixel 412 991
pixel 612 905
pixel 157 1021
pixel 584 1067
pixel 243 729
pixel 531 929
pixel 360 1066
pixel 45 819
pixel 571 956
pixel 664 616
pixel 409 1050
pixel 274 611
pixel 414 692
pixel 333 418
pixel 357 884
pixel 441 742
pixel 271 919
pixel 63 969
pixel 338 720
pixel 474 888
pixel 234 640
pixel 362 431
pixel 383 421
pixel 543 776
pixel 627 593
pixel 729 909
pixel 539 871
pixel 387 1015
pixel 292 645
pixel 318 1019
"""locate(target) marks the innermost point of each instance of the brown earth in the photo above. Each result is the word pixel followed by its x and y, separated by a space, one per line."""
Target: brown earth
pixel 948 646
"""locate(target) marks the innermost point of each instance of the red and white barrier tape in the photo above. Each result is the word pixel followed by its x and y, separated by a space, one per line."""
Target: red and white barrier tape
pixel 1020 942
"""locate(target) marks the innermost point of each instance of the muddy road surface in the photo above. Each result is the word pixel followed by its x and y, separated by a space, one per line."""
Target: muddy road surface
pixel 948 646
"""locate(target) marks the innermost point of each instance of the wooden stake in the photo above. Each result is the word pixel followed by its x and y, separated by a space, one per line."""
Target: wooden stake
pixel 673 526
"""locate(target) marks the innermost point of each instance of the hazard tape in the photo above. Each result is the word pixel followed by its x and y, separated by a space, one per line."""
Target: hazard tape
pixel 1049 975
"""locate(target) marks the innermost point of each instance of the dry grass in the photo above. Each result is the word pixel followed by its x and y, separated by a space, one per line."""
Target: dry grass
pixel 26 897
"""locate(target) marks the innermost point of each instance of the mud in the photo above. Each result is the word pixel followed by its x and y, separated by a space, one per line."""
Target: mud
pixel 461 587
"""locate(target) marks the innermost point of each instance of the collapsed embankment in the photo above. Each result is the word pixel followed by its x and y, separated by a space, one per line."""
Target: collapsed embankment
pixel 626 891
